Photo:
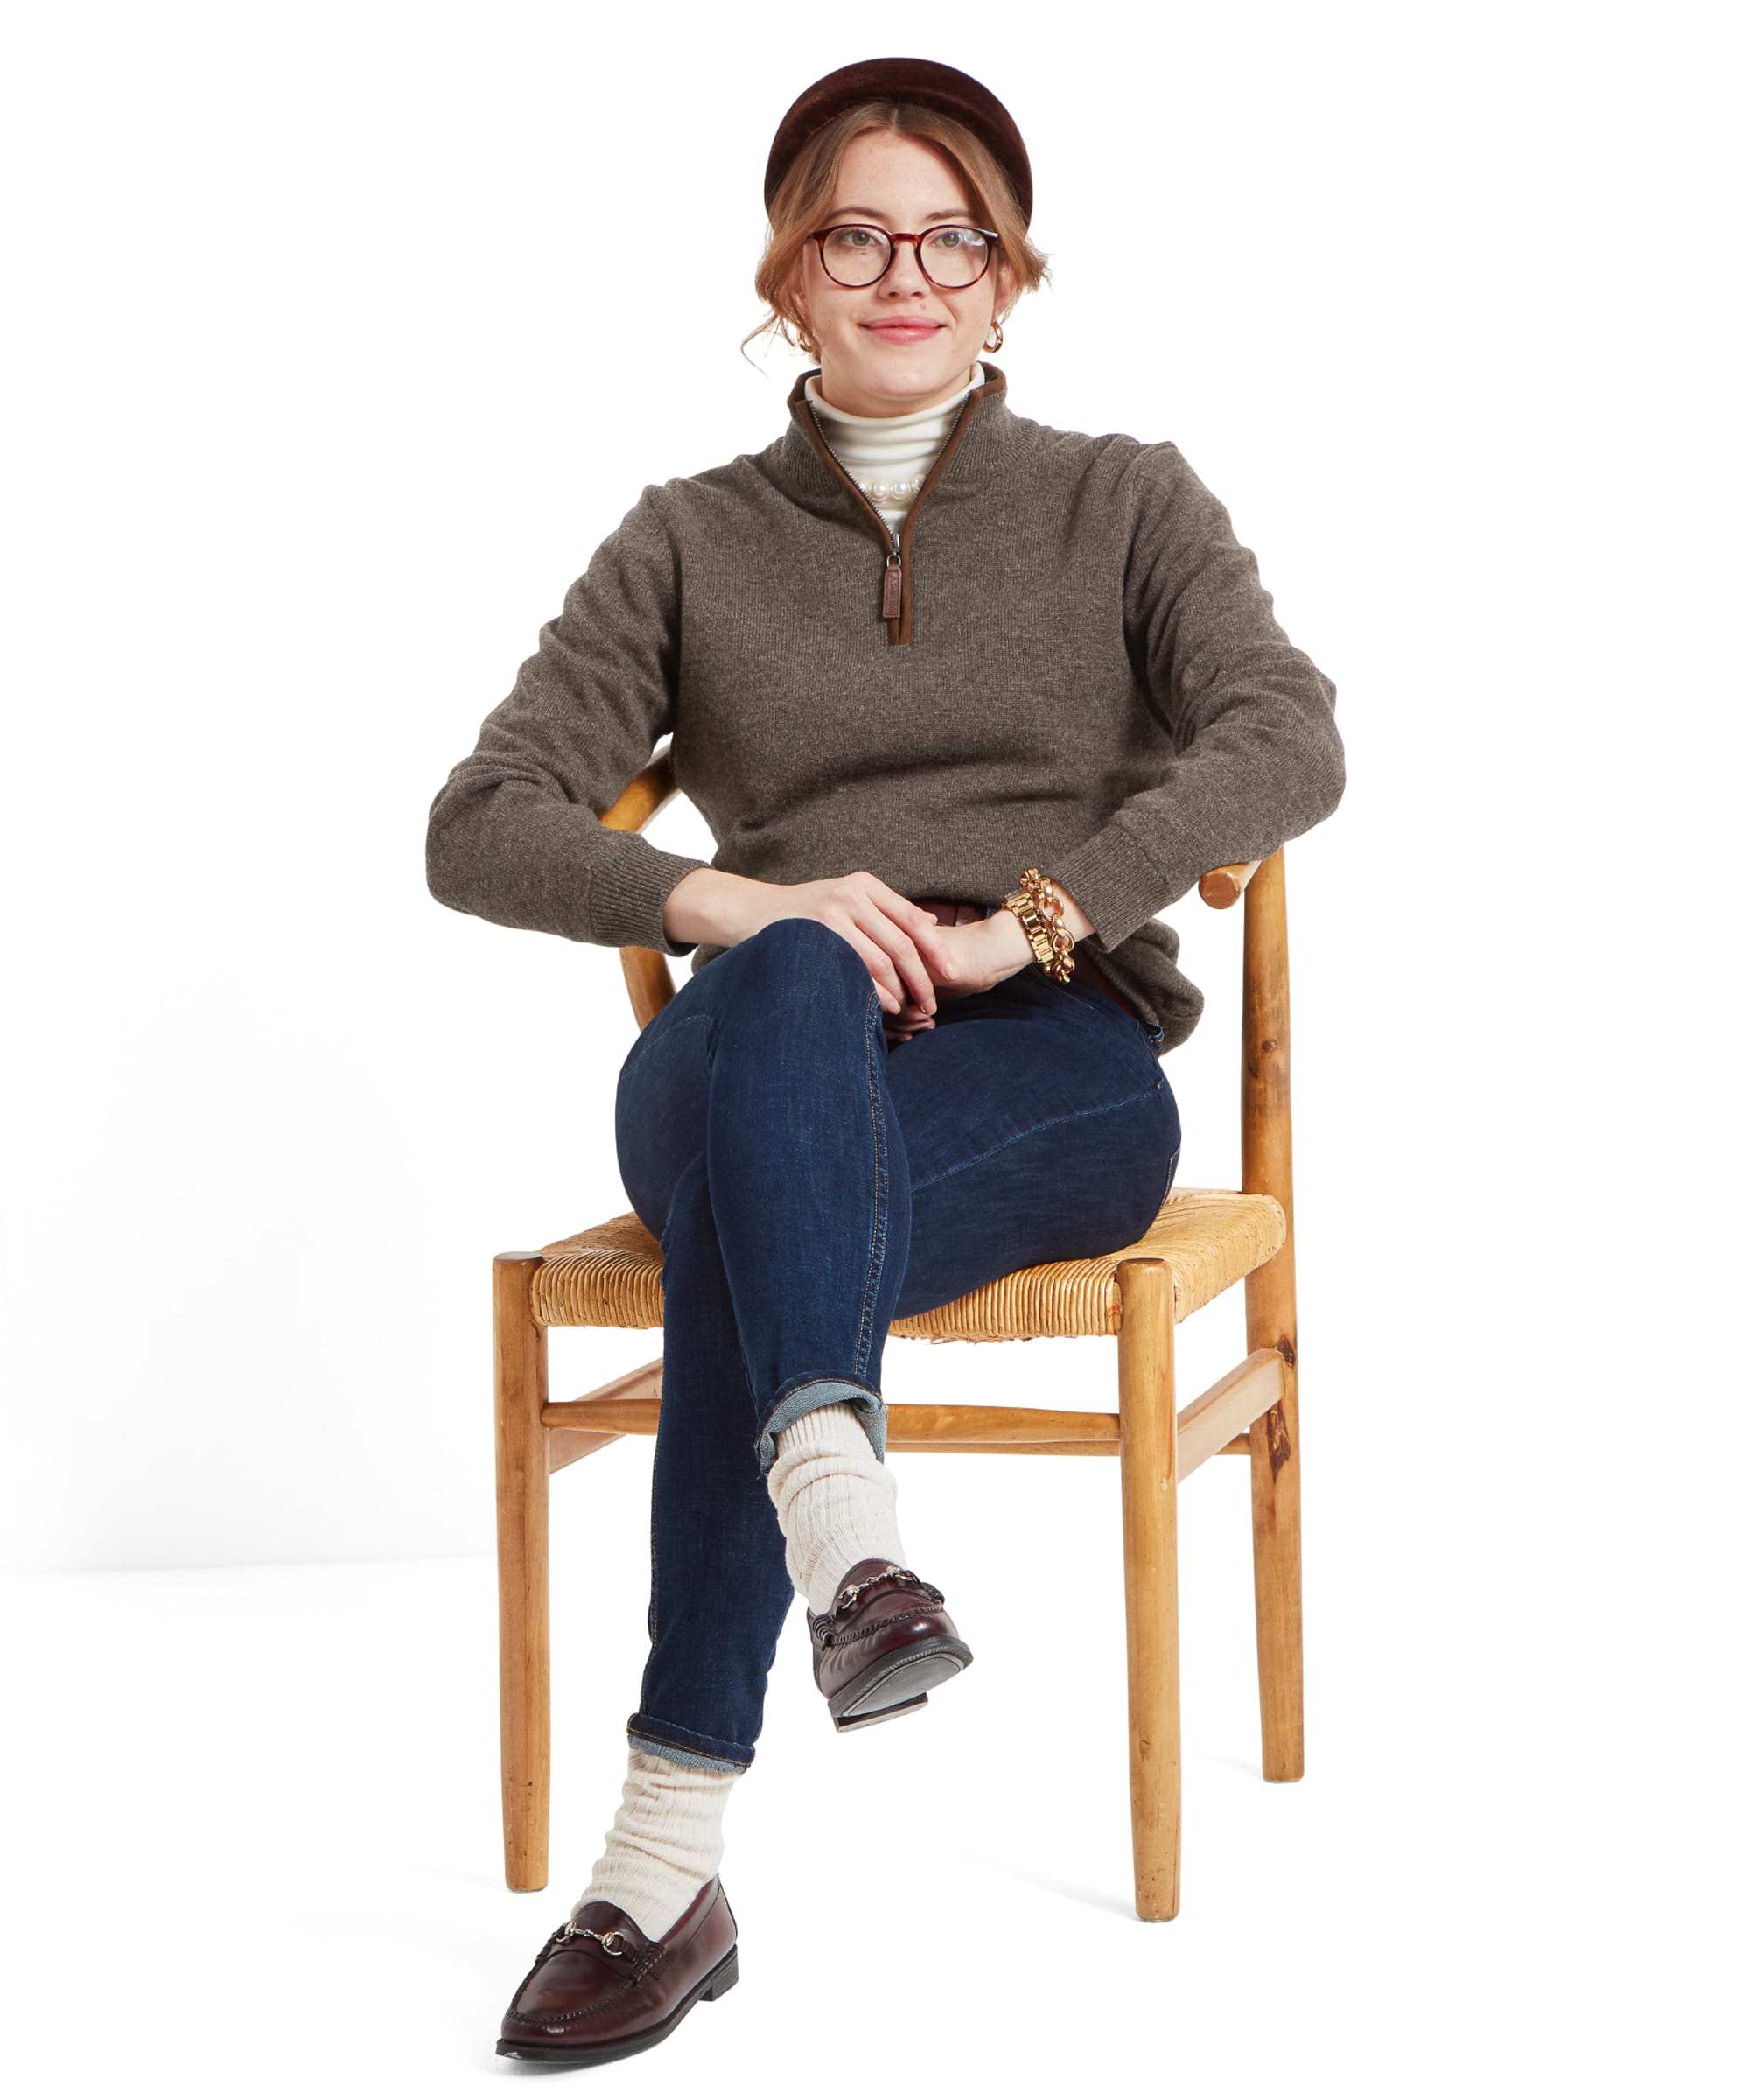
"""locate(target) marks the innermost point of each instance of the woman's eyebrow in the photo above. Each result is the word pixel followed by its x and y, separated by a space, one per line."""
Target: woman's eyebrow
pixel 864 211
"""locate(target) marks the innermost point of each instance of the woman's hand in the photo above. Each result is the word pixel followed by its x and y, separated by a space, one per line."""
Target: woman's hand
pixel 902 945
pixel 978 955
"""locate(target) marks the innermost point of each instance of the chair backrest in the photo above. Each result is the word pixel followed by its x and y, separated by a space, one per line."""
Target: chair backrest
pixel 1266 1141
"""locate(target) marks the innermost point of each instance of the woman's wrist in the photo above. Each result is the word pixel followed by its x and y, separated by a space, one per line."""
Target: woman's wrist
pixel 709 905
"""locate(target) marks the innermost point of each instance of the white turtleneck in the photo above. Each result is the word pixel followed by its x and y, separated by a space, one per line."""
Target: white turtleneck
pixel 889 456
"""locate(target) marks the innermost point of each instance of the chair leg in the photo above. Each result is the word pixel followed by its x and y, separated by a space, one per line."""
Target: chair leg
pixel 1148 1481
pixel 1275 1462
pixel 1276 1587
pixel 522 1572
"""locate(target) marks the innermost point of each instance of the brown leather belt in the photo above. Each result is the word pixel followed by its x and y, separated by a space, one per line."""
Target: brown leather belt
pixel 952 913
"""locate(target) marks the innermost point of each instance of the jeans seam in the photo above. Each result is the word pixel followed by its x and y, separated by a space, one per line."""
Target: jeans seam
pixel 880 1199
pixel 743 1361
pixel 1103 1108
pixel 652 1567
pixel 707 1020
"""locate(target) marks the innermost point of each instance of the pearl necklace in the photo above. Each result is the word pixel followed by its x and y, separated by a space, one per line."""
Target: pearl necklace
pixel 882 491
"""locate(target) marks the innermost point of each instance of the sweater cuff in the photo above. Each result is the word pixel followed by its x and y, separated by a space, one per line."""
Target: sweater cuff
pixel 627 887
pixel 1110 878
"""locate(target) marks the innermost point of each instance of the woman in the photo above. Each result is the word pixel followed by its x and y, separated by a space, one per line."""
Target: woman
pixel 965 701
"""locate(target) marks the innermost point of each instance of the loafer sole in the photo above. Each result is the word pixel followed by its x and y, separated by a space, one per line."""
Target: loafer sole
pixel 719 1980
pixel 898 1682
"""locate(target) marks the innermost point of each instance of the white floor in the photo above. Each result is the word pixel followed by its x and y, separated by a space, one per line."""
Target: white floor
pixel 254 1841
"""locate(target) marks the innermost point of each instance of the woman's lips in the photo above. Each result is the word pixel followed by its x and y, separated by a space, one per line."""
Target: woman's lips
pixel 903 332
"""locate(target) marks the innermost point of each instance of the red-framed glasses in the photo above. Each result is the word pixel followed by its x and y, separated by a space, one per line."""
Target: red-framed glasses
pixel 952 257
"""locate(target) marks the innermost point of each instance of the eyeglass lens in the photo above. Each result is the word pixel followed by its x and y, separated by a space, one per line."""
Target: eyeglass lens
pixel 953 256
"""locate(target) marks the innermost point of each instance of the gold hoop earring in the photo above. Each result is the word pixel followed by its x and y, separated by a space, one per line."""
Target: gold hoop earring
pixel 997 342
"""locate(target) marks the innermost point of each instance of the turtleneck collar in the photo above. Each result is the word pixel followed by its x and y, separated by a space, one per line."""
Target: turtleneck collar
pixel 981 427
pixel 891 456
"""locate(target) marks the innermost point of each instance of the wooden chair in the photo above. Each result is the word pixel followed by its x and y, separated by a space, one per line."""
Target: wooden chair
pixel 1202 1241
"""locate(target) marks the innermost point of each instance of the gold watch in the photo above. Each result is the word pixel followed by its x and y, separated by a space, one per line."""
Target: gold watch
pixel 1042 917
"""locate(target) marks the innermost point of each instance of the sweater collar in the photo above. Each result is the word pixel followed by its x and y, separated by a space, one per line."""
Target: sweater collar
pixel 981 430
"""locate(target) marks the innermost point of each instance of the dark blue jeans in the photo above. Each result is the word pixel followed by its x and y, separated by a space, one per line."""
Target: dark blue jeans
pixel 808 1183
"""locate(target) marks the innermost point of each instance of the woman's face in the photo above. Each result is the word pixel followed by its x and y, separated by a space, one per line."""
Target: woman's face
pixel 904 187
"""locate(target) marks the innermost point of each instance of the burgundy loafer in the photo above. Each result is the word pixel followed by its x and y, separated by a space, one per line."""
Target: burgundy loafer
pixel 883 1644
pixel 601 1989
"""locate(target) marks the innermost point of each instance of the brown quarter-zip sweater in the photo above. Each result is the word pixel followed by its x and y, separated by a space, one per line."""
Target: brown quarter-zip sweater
pixel 1062 658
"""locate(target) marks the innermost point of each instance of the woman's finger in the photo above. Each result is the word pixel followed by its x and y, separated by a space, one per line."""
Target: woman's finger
pixel 875 937
pixel 904 926
pixel 912 973
pixel 878 963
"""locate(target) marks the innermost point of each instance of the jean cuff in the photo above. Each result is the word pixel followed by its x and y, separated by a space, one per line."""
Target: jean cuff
pixel 799 1395
pixel 685 1747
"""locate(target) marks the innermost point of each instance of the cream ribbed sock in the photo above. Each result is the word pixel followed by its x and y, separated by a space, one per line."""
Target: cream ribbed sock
pixel 835 1500
pixel 665 1842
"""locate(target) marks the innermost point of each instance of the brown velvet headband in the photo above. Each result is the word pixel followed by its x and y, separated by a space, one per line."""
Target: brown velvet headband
pixel 958 94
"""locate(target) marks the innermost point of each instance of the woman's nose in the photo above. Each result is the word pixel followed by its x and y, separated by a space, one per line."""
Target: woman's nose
pixel 905 271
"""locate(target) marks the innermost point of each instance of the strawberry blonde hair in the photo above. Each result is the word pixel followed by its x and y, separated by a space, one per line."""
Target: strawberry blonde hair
pixel 803 199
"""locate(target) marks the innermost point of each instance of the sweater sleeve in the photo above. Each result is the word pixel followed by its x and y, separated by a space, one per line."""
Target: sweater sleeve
pixel 1256 758
pixel 514 834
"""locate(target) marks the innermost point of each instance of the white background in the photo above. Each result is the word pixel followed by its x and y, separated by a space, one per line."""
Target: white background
pixel 341 335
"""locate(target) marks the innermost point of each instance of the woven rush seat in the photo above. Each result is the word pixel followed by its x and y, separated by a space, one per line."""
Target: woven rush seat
pixel 609 1275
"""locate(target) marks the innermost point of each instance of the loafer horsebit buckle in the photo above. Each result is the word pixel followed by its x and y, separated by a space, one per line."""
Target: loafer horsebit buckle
pixel 570 1930
pixel 850 1596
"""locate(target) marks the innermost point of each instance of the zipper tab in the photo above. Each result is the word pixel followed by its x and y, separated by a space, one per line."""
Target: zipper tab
pixel 892 579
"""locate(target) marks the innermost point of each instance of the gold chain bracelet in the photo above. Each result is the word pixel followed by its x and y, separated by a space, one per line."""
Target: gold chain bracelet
pixel 1042 916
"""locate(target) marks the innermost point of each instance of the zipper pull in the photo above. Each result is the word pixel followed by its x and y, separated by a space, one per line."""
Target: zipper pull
pixel 892 579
